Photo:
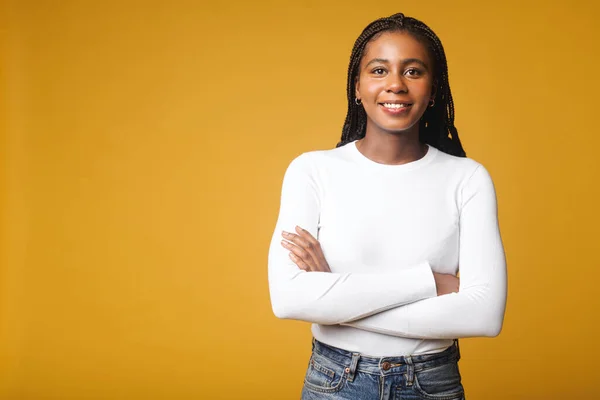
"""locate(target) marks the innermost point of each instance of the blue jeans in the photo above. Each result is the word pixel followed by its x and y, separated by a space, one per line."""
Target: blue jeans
pixel 337 374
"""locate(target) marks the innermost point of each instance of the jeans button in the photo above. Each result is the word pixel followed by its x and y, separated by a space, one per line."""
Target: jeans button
pixel 386 366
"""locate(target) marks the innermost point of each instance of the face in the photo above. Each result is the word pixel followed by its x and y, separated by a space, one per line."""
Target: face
pixel 395 83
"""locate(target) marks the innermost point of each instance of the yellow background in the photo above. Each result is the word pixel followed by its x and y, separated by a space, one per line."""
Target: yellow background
pixel 143 147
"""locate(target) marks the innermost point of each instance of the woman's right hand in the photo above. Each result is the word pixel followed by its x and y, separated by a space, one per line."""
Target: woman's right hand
pixel 446 283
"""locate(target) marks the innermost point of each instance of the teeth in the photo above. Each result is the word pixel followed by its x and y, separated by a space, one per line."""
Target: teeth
pixel 390 105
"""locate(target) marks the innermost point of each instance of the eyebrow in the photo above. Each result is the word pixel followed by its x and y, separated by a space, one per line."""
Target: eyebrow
pixel 404 62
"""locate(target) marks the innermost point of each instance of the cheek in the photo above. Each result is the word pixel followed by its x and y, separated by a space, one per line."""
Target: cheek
pixel 369 87
pixel 374 89
pixel 424 87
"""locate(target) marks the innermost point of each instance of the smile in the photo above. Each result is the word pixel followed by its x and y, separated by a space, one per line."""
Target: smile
pixel 395 108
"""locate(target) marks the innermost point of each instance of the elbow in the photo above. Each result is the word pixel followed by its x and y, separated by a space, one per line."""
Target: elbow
pixel 281 311
pixel 493 330
pixel 496 319
pixel 282 301
pixel 286 308
pixel 484 327
pixel 302 312
pixel 284 304
pixel 288 302
pixel 493 325
pixel 487 317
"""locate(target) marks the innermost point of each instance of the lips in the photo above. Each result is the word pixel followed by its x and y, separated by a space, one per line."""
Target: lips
pixel 395 103
pixel 395 107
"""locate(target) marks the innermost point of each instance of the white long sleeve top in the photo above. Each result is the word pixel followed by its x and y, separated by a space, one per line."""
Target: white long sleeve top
pixel 383 230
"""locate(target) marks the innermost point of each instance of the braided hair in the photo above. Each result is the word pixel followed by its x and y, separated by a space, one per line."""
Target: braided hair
pixel 436 126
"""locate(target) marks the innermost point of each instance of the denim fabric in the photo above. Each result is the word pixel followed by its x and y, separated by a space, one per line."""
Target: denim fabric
pixel 339 374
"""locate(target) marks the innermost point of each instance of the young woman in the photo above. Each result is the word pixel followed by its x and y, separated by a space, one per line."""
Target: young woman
pixel 372 234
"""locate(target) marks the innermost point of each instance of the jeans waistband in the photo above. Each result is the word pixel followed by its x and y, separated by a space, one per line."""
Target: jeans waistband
pixel 386 365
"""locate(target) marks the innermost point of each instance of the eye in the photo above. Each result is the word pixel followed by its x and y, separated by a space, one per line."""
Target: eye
pixel 378 71
pixel 413 72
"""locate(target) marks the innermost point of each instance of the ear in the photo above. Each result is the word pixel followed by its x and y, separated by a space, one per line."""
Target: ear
pixel 357 88
pixel 434 87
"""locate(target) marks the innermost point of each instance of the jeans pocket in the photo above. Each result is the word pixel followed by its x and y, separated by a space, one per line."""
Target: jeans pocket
pixel 441 382
pixel 323 375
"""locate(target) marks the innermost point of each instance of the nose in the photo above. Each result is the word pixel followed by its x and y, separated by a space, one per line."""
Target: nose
pixel 396 84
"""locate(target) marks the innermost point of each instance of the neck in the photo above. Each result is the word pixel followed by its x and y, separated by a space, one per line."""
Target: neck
pixel 388 148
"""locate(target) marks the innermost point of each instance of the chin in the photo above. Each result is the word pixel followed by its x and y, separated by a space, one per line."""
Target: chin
pixel 398 128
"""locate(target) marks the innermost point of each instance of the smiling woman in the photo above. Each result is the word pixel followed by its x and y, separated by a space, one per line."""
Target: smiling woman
pixel 395 79
pixel 371 235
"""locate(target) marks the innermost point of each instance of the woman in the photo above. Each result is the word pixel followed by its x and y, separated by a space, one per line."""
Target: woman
pixel 372 234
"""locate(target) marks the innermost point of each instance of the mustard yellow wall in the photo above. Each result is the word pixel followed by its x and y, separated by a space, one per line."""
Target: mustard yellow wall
pixel 143 147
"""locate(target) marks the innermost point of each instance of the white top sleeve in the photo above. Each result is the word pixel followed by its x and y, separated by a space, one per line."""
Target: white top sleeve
pixel 323 297
pixel 478 308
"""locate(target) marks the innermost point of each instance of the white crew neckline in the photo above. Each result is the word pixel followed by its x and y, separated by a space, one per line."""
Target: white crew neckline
pixel 409 166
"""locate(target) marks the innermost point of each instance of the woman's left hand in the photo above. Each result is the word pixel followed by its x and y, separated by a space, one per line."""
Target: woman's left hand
pixel 305 250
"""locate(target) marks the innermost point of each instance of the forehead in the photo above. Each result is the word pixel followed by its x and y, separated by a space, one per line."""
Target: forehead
pixel 395 46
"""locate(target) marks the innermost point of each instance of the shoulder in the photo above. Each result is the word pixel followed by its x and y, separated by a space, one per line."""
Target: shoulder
pixel 466 175
pixel 471 179
pixel 463 165
pixel 465 168
pixel 314 160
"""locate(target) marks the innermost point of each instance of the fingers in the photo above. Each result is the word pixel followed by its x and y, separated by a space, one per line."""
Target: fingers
pixel 296 250
pixel 306 248
pixel 299 245
pixel 315 250
pixel 302 247
pixel 302 258
pixel 304 239
pixel 309 239
pixel 299 262
pixel 301 239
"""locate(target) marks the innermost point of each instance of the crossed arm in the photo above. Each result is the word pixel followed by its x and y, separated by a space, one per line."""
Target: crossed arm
pixel 400 304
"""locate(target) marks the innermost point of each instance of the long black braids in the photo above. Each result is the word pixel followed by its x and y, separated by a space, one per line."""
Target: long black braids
pixel 437 123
